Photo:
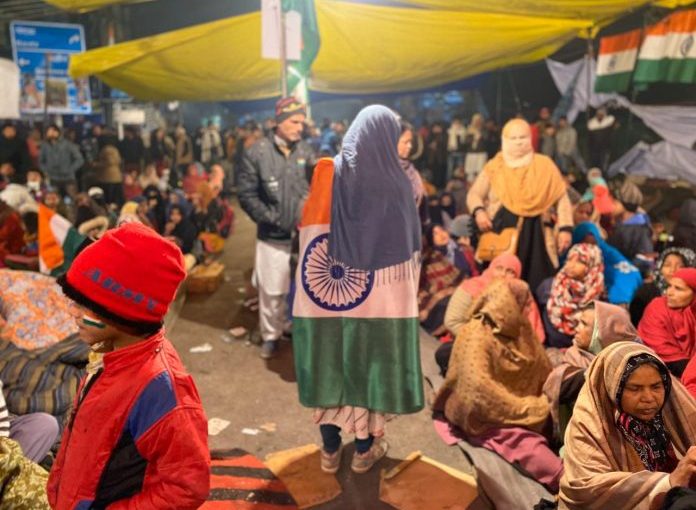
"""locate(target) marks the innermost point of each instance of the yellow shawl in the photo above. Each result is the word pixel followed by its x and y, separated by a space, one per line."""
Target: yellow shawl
pixel 529 190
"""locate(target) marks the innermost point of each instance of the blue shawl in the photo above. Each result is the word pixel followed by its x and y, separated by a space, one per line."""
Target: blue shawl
pixel 622 279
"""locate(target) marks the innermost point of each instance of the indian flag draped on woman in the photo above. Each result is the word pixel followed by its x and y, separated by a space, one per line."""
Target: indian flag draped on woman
pixel 355 327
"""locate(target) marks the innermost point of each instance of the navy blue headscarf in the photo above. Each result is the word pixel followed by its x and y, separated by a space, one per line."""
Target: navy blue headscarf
pixel 374 221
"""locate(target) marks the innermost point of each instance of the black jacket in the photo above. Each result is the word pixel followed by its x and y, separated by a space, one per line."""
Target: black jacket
pixel 15 151
pixel 272 187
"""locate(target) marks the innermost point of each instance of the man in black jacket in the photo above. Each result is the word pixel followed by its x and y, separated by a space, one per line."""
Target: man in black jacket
pixel 272 188
pixel 14 155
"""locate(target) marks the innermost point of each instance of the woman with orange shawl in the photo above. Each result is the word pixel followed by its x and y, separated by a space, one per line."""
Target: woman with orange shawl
pixel 630 422
pixel 519 184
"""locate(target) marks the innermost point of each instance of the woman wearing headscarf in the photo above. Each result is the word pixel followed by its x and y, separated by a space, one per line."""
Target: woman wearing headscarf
pixel 206 210
pixel 459 308
pixel 404 149
pixel 444 266
pixel 180 229
pixel 355 325
pixel 621 278
pixel 579 282
pixel 493 388
pixel 671 260
pixel 669 323
pixel 518 189
pixel 157 209
pixel 598 193
pixel 600 325
pixel 195 175
pixel 629 421
pixel 177 197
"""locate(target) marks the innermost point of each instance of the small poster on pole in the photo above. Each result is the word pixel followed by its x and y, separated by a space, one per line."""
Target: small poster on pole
pixel 270 31
pixel 9 89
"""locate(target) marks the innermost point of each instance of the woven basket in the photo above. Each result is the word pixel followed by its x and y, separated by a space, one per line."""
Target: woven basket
pixel 205 279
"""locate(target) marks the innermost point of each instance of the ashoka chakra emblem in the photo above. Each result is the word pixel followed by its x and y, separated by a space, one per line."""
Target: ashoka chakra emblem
pixel 331 284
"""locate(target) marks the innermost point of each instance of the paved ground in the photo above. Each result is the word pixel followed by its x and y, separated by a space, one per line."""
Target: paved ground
pixel 236 385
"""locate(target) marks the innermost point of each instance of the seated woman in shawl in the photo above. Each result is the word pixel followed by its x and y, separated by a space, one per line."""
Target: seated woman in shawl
pixel 579 282
pixel 621 278
pixel 459 308
pixel 600 325
pixel 629 422
pixel 493 388
pixel 206 209
pixel 519 184
pixel 156 208
pixel 180 229
pixel 355 311
pixel 669 323
pixel 443 209
pixel 444 266
pixel 195 175
pixel 671 260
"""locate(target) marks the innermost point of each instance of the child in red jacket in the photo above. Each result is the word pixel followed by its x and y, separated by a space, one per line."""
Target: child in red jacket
pixel 137 436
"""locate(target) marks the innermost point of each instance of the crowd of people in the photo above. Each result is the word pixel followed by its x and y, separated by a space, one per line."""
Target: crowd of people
pixel 568 342
pixel 183 195
pixel 566 316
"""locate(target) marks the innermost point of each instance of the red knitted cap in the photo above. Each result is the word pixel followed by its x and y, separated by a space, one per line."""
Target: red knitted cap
pixel 130 275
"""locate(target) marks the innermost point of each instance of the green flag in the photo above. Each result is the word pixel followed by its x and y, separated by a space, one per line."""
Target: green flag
pixel 298 71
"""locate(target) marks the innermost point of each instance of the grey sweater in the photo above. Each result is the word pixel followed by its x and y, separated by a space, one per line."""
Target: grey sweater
pixel 60 160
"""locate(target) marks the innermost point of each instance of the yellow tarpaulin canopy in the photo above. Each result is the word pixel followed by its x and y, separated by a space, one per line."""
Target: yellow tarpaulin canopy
pixel 88 5
pixel 591 10
pixel 364 48
pixel 213 61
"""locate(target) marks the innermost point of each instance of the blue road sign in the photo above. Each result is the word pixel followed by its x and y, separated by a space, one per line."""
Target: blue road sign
pixel 42 52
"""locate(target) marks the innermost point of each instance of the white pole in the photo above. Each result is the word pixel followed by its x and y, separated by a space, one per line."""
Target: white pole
pixel 283 52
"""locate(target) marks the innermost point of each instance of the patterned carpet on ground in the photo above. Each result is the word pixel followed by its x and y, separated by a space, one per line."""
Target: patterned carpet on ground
pixel 240 481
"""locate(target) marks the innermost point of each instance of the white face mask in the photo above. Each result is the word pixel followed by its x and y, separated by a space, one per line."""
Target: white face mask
pixel 34 185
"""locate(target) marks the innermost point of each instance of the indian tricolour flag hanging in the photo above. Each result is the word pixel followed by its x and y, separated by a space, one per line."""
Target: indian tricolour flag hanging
pixel 616 61
pixel 668 53
pixel 58 242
